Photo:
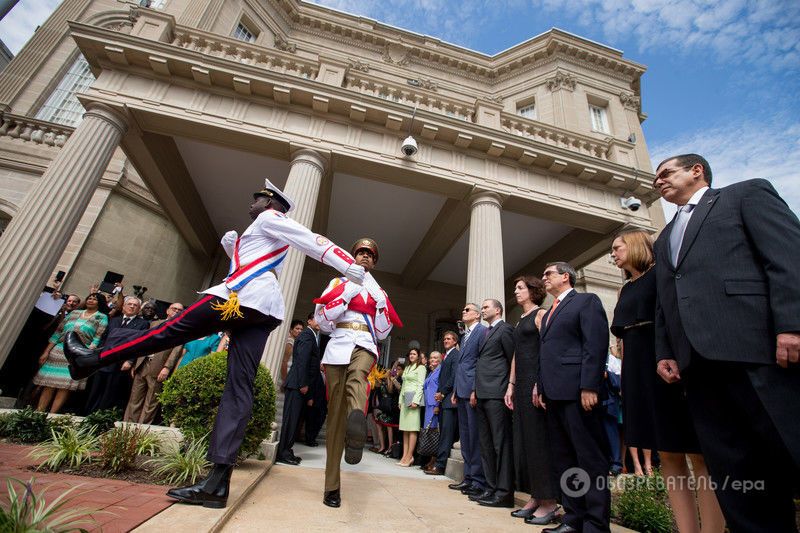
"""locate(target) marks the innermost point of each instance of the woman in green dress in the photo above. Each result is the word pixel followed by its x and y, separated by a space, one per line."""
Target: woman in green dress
pixel 90 323
pixel 411 399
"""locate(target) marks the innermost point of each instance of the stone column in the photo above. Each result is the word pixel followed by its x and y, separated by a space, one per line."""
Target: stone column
pixel 34 240
pixel 302 186
pixel 485 276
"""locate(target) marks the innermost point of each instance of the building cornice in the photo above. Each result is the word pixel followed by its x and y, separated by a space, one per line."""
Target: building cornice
pixel 428 51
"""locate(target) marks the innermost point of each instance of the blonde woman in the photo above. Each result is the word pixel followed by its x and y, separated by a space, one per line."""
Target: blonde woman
pixel 655 414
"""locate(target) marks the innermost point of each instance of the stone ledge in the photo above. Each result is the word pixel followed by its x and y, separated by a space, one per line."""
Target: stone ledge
pixel 201 520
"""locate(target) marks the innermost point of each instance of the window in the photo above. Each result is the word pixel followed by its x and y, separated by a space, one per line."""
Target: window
pixel 3 223
pixel 62 106
pixel 243 33
pixel 527 111
pixel 599 118
pixel 155 4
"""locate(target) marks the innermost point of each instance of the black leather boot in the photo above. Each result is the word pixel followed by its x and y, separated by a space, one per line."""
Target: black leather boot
pixel 83 361
pixel 210 492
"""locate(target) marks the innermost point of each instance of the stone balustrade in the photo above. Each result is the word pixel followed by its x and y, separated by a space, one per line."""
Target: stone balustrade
pixel 35 131
pixel 232 49
pixel 555 136
pixel 408 96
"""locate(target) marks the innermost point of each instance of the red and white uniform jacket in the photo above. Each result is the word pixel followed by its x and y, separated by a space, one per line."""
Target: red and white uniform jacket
pixel 345 301
pixel 257 258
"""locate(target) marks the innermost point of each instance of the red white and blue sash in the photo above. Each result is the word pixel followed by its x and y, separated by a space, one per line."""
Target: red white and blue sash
pixel 240 275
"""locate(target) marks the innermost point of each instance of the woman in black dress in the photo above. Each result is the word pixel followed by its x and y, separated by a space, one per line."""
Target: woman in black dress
pixel 531 448
pixel 655 414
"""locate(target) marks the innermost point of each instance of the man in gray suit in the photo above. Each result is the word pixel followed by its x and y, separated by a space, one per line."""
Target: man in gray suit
pixel 727 324
pixel 473 483
pixel 444 395
pixel 492 375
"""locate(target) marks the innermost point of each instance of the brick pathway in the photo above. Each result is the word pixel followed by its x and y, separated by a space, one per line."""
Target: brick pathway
pixel 126 504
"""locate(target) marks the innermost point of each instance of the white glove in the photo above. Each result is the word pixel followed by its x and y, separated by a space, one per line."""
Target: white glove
pixel 374 290
pixel 351 291
pixel 355 273
pixel 230 236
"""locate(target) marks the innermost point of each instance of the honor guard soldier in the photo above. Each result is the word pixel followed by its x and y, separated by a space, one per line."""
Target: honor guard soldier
pixel 248 303
pixel 357 317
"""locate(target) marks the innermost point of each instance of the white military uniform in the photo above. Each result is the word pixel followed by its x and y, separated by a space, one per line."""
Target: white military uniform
pixel 259 258
pixel 344 340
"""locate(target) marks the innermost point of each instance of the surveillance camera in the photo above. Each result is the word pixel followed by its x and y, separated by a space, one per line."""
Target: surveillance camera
pixel 631 203
pixel 409 146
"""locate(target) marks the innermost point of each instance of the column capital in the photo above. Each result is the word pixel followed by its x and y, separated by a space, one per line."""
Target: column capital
pixel 319 158
pixel 482 196
pixel 107 113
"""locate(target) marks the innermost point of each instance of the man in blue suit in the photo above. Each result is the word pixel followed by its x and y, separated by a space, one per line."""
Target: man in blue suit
pixel 474 482
pixel 574 343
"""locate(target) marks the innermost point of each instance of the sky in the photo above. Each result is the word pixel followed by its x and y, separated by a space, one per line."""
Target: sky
pixel 722 80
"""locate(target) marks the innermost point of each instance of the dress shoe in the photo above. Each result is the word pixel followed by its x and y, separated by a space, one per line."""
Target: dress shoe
pixel 497 501
pixel 355 437
pixel 472 491
pixel 210 492
pixel 549 518
pixel 562 528
pixel 287 460
pixel 484 495
pixel 523 513
pixel 298 460
pixel 459 486
pixel 312 444
pixel 83 362
pixel 434 471
pixel 332 498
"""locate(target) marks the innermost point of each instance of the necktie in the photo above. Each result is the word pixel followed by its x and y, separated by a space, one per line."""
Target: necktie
pixel 486 333
pixel 678 229
pixel 125 322
pixel 552 311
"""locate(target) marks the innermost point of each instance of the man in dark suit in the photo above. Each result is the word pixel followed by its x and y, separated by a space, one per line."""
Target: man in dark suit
pixel 574 343
pixel 727 327
pixel 474 482
pixel 111 387
pixel 492 373
pixel 302 374
pixel 444 394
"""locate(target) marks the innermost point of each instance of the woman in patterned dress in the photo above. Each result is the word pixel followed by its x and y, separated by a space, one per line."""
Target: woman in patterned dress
pixel 90 324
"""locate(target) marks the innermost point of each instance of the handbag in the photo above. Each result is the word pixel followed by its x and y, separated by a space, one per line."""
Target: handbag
pixel 408 398
pixel 428 442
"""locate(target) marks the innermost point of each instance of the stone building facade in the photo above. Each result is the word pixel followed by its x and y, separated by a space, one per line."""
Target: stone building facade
pixel 523 156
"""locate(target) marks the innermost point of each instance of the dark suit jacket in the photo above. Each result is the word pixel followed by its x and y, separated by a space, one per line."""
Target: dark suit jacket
pixel 465 372
pixel 736 285
pixel 574 347
pixel 305 361
pixel 447 378
pixel 494 362
pixel 137 323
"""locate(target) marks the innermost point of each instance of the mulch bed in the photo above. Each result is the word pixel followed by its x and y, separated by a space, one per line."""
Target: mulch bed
pixel 140 473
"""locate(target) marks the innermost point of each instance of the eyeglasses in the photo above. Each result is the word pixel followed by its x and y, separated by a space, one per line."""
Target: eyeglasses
pixel 548 273
pixel 468 309
pixel 667 172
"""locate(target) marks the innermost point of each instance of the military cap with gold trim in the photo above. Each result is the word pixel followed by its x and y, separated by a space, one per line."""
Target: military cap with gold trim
pixel 271 191
pixel 365 243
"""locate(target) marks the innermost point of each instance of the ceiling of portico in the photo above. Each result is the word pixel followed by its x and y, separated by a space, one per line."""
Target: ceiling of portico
pixel 397 217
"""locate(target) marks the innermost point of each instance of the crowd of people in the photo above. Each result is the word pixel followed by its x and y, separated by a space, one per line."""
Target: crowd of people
pixel 703 376
pixel 551 407
pixel 37 369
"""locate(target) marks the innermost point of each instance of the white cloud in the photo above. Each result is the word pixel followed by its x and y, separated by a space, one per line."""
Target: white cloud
pixel 743 150
pixel 735 31
pixel 20 23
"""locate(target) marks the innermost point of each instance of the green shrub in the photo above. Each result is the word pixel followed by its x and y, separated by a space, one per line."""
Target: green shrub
pixel 5 419
pixel 149 444
pixel 30 513
pixel 118 447
pixel 62 423
pixel 191 397
pixel 28 426
pixel 643 505
pixel 102 420
pixel 69 446
pixel 182 465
